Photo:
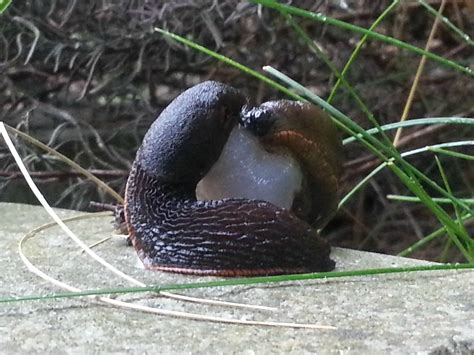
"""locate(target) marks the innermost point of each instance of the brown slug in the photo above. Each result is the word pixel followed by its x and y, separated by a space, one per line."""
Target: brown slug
pixel 172 231
pixel 313 139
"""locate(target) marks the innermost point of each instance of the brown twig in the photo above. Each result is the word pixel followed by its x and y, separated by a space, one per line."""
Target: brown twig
pixel 421 66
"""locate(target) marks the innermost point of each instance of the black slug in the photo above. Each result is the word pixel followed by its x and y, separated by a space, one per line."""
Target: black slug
pixel 172 231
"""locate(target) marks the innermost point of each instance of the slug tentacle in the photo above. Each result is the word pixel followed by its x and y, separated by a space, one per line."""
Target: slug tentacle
pixel 172 231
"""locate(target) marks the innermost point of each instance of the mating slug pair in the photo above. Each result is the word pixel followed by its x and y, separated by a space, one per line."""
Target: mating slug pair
pixel 173 231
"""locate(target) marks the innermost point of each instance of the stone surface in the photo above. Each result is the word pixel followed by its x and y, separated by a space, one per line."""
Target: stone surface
pixel 398 313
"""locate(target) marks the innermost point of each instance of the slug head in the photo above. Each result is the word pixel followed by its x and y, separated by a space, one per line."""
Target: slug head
pixel 258 120
pixel 188 136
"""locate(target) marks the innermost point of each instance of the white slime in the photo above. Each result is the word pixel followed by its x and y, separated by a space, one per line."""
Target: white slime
pixel 246 170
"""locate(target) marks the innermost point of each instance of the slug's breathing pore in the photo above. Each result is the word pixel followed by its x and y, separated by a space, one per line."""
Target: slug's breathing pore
pixel 172 231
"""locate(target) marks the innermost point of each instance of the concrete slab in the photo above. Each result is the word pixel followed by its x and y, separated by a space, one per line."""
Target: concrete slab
pixel 399 313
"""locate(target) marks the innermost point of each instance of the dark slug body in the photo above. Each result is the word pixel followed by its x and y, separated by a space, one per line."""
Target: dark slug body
pixel 172 231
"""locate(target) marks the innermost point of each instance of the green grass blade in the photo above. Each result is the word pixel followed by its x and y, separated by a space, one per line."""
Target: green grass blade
pixel 4 5
pixel 441 200
pixel 464 36
pixel 463 237
pixel 359 46
pixel 434 235
pixel 228 61
pixel 437 146
pixel 417 122
pixel 241 282
pixel 361 184
pixel 452 153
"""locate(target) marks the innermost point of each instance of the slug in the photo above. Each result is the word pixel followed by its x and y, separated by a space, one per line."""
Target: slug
pixel 313 139
pixel 173 231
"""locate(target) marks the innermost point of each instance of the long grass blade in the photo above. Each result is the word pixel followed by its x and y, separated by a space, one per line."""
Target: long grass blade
pixel 245 281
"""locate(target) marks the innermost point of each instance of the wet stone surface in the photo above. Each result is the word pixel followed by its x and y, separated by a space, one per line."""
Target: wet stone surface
pixel 398 313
